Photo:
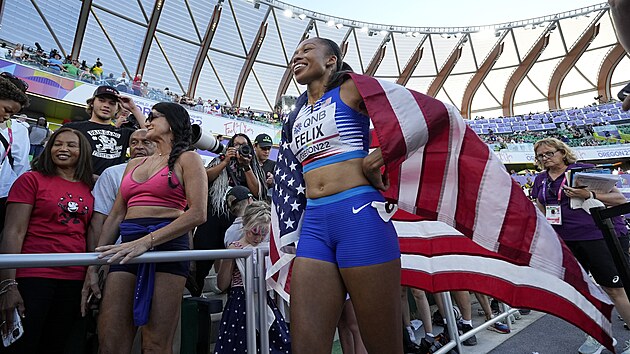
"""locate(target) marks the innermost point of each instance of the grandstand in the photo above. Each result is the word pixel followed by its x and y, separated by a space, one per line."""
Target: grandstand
pixel 238 51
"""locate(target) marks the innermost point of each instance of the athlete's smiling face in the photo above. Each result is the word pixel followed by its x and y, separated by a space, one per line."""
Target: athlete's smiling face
pixel 312 61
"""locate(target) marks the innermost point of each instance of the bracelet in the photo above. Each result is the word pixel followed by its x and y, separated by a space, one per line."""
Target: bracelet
pixel 152 240
pixel 5 289
pixel 7 281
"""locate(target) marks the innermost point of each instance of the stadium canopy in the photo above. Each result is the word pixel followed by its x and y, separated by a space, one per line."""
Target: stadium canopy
pixel 238 51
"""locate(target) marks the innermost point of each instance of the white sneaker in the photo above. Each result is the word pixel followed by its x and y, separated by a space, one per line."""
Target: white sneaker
pixel 412 336
pixel 592 346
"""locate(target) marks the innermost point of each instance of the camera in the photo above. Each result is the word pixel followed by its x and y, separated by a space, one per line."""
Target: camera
pixel 205 141
pixel 245 150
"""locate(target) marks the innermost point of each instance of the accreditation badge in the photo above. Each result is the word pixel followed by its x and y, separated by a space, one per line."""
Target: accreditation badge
pixel 553 214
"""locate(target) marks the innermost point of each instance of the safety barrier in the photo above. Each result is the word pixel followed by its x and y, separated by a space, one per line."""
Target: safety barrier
pixel 254 279
pixel 84 259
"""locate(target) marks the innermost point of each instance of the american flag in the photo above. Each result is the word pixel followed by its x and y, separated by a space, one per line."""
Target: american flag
pixel 462 223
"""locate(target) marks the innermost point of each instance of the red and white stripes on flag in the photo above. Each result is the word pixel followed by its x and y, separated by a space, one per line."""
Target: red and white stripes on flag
pixel 463 224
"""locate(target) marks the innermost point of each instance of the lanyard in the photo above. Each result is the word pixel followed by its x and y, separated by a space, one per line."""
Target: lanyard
pixel 559 190
pixel 8 148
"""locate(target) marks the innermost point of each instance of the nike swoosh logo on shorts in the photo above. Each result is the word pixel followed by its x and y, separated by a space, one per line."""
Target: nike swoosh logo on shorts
pixel 354 211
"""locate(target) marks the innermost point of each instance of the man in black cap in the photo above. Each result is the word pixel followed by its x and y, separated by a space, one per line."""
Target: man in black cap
pixel 109 143
pixel 262 147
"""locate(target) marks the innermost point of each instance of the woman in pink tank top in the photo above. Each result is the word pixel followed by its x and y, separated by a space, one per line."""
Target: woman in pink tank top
pixel 149 295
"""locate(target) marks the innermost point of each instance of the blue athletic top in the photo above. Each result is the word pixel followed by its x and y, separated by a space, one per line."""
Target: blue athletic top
pixel 329 132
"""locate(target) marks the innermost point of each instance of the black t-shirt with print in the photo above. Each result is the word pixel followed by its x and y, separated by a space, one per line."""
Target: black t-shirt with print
pixel 109 144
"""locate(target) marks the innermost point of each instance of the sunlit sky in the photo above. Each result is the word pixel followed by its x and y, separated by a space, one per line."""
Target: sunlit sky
pixel 440 13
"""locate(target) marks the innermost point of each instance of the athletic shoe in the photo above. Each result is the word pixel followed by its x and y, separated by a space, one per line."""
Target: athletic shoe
pixel 413 348
pixel 592 346
pixel 412 335
pixel 438 342
pixel 470 341
pixel 524 311
pixel 425 345
pixel 626 348
pixel 499 328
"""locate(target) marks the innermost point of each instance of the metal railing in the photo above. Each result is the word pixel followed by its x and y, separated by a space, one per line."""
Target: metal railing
pixel 455 338
pixel 84 259
pixel 254 280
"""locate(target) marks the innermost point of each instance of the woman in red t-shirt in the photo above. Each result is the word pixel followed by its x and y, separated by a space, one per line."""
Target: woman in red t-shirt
pixel 48 211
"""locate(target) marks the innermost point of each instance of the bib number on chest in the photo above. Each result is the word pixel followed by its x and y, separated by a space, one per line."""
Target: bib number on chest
pixel 315 133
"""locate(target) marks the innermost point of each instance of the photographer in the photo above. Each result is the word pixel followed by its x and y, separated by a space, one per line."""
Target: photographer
pixel 238 166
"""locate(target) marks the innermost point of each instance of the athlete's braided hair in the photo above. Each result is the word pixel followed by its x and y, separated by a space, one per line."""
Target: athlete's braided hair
pixel 342 70
pixel 179 120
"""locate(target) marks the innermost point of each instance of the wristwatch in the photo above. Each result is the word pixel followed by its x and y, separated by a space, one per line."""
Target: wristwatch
pixel 246 168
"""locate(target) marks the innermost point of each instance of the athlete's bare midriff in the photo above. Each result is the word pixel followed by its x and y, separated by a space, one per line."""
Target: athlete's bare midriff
pixel 334 178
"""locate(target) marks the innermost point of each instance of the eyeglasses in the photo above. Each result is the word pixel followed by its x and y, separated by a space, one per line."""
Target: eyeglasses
pixel 545 155
pixel 152 116
pixel 19 83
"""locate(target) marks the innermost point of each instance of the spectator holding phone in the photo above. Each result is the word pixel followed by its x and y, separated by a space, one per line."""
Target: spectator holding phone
pixel 50 210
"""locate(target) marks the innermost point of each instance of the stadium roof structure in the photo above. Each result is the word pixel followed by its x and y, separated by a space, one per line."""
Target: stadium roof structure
pixel 238 51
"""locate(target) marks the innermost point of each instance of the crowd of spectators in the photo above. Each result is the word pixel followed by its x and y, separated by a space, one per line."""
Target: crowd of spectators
pixel 78 69
pixel 572 136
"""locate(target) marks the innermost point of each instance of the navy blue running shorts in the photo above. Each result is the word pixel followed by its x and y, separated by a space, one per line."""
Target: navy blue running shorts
pixel 346 229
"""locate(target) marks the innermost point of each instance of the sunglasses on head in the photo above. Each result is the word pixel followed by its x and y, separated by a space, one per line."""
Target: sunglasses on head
pixel 19 83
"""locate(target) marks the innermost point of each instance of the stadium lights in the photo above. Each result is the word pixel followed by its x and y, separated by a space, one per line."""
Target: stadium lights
pixel 331 21
pixel 415 34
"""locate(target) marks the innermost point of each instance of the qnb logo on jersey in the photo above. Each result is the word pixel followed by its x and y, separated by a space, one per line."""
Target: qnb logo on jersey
pixel 615 279
pixel 297 128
